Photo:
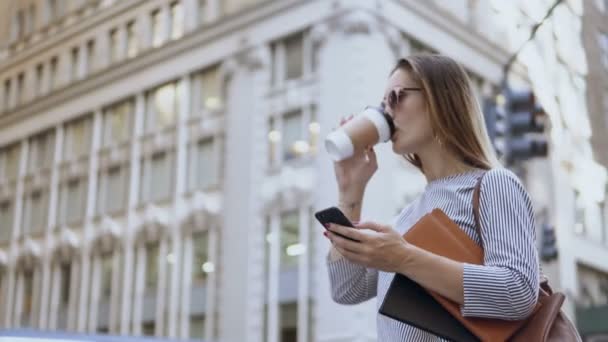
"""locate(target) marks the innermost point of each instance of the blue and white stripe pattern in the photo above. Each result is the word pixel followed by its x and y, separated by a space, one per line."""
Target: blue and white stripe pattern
pixel 506 286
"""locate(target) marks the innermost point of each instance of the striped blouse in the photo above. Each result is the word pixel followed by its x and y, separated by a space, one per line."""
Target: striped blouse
pixel 505 286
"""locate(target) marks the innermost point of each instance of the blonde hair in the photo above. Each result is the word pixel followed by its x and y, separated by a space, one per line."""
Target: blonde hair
pixel 455 116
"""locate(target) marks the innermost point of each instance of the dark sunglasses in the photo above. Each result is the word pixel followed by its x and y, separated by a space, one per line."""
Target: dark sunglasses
pixel 395 96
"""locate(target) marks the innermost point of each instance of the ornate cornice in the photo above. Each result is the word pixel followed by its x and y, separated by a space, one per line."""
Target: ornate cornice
pixel 67 246
pixel 288 188
pixel 204 212
pixel 29 255
pixel 155 223
pixel 107 237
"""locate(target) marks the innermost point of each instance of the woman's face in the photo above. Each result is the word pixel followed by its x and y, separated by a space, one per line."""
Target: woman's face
pixel 410 113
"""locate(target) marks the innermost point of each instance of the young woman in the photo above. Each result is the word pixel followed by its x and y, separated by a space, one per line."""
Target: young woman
pixel 440 129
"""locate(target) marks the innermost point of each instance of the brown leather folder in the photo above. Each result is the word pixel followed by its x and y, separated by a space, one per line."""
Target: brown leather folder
pixel 437 233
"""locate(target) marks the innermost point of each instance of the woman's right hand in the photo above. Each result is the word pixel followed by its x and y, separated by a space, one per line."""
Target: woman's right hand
pixel 352 174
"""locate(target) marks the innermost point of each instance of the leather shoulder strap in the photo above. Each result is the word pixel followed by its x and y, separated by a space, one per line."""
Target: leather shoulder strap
pixel 476 194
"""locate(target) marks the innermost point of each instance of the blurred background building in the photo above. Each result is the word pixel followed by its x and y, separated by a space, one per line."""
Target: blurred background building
pixel 160 160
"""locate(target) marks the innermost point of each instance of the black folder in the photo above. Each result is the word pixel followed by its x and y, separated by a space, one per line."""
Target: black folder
pixel 408 302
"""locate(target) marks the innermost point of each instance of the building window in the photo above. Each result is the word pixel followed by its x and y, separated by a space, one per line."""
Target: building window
pixel 152 261
pixel 77 138
pixel 7 94
pixel 289 237
pixel 39 86
pixel 53 10
pixel 203 165
pixel 177 20
pixel 294 56
pixel 202 11
pixel 117 123
pixel 34 212
pixel 114 46
pixel 211 89
pixel 20 88
pixel 9 162
pixel 294 144
pixel 28 299
pixel 72 201
pixel 197 327
pixel 41 151
pixel 289 59
pixel 20 24
pixel 132 43
pixel 6 220
pixel 157 29
pixel 112 190
pixel 201 262
pixel 603 44
pixel 91 56
pixel 293 135
pixel 53 73
pixel 283 234
pixel 106 276
pixel 163 106
pixel 32 19
pixel 74 64
pixel 288 316
pixel 157 180
pixel 66 279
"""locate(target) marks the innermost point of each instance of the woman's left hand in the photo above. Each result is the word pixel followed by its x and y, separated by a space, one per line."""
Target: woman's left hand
pixel 380 246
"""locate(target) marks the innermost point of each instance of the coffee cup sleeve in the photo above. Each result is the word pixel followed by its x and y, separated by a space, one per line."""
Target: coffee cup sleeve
pixel 384 131
pixel 338 145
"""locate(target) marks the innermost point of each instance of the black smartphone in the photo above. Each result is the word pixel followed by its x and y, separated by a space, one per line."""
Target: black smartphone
pixel 334 215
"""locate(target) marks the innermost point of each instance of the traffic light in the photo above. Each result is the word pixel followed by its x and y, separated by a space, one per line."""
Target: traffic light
pixel 548 247
pixel 515 122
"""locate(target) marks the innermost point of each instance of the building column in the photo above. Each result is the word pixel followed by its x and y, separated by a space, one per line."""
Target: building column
pixel 55 291
pixel 130 247
pixel 115 298
pixel 274 258
pixel 95 293
pixel 138 299
pixel 174 277
pixel 83 301
pixel 11 289
pixel 36 296
pixel 73 301
pixel 161 290
pixel 19 300
pixel 303 274
pixel 353 31
pixel 245 136
pixel 211 307
pixel 47 267
pixel 184 312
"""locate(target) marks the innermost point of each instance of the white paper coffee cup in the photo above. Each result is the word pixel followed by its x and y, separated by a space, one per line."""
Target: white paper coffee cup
pixel 339 144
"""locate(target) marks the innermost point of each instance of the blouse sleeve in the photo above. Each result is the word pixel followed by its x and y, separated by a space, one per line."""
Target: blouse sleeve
pixel 506 285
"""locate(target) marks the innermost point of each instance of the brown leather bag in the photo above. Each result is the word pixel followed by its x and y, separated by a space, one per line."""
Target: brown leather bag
pixel 548 322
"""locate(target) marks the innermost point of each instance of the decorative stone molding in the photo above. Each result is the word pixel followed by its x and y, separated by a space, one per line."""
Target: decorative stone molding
pixel 108 236
pixel 155 223
pixel 290 187
pixel 3 260
pixel 29 255
pixel 357 22
pixel 251 59
pixel 204 211
pixel 67 246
